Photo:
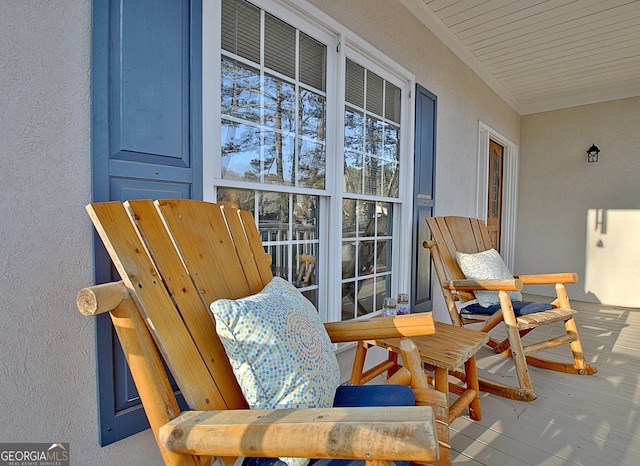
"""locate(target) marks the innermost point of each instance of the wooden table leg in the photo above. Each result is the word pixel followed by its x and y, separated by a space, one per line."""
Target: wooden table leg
pixel 441 381
pixel 472 382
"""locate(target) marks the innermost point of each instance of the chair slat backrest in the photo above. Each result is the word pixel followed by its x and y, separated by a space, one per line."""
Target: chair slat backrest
pixel 197 252
pixel 458 234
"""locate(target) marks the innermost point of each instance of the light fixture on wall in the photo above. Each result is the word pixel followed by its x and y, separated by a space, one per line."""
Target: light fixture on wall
pixel 592 154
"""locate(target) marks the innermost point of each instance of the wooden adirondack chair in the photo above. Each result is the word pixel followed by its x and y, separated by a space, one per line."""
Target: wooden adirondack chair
pixel 177 256
pixel 468 235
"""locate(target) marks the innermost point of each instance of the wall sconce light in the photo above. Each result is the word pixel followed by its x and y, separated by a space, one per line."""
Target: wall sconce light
pixel 592 154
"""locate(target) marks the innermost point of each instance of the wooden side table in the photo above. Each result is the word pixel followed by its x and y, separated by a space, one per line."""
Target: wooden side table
pixel 447 351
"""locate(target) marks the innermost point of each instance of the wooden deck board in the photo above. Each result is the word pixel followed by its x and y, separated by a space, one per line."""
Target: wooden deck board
pixel 581 420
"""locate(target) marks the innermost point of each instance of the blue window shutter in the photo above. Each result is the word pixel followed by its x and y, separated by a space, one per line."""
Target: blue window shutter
pixel 423 196
pixel 146 144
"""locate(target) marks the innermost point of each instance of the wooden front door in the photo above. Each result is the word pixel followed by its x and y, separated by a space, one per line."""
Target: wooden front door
pixel 494 210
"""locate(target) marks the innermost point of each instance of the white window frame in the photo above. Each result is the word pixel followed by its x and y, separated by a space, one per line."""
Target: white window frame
pixel 341 43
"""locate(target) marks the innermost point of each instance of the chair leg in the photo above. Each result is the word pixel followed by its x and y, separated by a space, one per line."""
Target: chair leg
pixel 581 365
pixel 517 351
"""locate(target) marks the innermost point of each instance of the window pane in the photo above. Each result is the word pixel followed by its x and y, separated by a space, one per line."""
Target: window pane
pixel 240 151
pixel 348 259
pixel 389 180
pixel 240 91
pixel 374 93
pixel 313 62
pixel 352 172
pixel 349 218
pixel 279 104
pixel 392 102
pixel 312 114
pixel 391 143
pixel 278 159
pixel 373 136
pixel 383 251
pixel 366 297
pixel 273 216
pixel 279 46
pixel 304 267
pixel 279 260
pixel 372 176
pixel 384 223
pixel 355 84
pixel 353 129
pixel 241 29
pixel 243 198
pixel 366 261
pixel 311 166
pixel 305 219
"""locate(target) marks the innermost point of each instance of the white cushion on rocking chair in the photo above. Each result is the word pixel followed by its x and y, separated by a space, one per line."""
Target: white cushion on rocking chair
pixel 486 265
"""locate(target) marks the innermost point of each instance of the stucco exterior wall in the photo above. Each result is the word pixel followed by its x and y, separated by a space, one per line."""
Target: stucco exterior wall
pixel 575 216
pixel 48 375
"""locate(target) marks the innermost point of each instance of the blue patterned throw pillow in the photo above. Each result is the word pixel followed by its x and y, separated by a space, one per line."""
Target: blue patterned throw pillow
pixel 279 349
pixel 486 265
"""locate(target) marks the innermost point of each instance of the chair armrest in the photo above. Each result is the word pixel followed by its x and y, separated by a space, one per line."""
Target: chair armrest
pixel 549 278
pixel 409 325
pixel 484 285
pixel 340 433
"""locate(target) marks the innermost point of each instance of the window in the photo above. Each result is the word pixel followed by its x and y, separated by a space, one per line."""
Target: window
pixel 315 154
pixel 371 168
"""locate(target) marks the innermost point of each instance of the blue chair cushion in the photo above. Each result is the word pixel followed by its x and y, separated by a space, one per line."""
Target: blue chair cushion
pixel 354 396
pixel 520 308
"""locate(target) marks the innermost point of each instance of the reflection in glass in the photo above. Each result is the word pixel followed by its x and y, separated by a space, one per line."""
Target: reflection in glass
pixel 312 114
pixel 373 136
pixel 366 255
pixel 279 104
pixel 240 151
pixel 383 250
pixel 353 129
pixel 311 165
pixel 372 176
pixel 273 216
pixel 305 217
pixel 349 218
pixel 366 218
pixel 390 182
pixel 352 172
pixel 279 158
pixel 240 91
pixel 304 265
pixel 243 198
pixel 279 261
pixel 384 224
pixel 391 142
pixel 348 259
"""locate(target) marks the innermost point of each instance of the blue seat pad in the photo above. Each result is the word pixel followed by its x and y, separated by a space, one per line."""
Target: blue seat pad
pixel 352 396
pixel 520 308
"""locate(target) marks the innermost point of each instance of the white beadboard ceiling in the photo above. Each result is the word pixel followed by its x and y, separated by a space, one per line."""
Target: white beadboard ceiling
pixel 541 55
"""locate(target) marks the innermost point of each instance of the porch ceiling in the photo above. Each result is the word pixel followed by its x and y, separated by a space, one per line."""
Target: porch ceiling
pixel 541 55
